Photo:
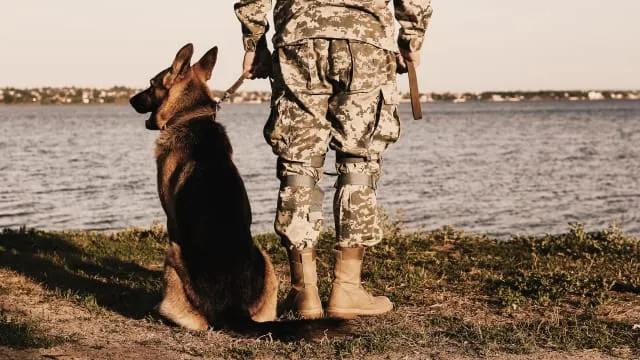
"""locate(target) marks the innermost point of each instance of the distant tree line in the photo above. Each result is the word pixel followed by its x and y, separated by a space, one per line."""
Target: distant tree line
pixel 121 95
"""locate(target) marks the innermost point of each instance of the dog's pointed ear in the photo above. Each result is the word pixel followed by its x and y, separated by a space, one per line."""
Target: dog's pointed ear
pixel 207 62
pixel 181 64
pixel 183 60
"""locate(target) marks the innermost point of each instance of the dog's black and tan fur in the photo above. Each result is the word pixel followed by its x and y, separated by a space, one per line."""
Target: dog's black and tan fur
pixel 214 273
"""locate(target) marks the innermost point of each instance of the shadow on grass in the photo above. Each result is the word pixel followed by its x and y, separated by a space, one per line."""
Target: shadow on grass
pixel 26 336
pixel 87 270
pixel 60 265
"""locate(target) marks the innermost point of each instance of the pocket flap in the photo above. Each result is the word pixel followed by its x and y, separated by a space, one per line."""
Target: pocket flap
pixel 390 95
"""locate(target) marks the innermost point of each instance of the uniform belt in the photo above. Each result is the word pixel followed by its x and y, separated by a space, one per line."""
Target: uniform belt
pixel 342 158
pixel 356 179
pixel 298 180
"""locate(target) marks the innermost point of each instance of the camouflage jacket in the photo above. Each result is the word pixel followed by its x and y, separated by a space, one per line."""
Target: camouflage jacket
pixel 370 21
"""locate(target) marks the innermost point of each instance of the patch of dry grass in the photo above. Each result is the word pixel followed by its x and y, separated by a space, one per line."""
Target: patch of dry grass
pixel 456 294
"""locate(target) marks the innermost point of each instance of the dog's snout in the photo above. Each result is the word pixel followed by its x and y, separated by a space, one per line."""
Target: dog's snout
pixel 141 103
pixel 134 103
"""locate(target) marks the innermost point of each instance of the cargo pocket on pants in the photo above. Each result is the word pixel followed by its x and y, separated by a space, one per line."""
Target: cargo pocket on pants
pixel 388 130
pixel 277 130
pixel 293 66
pixel 370 66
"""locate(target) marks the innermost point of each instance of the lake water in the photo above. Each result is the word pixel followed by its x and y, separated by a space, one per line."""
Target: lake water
pixel 497 168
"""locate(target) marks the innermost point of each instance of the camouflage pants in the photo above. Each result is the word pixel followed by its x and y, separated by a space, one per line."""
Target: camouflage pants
pixel 341 94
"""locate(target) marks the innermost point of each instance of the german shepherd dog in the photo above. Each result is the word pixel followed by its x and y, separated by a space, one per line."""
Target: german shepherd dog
pixel 214 274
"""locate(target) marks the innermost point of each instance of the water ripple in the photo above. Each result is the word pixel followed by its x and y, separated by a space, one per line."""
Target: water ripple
pixel 485 167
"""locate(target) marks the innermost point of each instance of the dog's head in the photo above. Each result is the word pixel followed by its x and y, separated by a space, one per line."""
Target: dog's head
pixel 181 87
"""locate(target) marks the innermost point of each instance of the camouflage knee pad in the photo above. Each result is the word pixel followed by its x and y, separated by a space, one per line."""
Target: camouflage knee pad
pixel 299 217
pixel 354 207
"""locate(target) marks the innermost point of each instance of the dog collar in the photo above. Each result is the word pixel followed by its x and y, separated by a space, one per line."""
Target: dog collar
pixel 191 115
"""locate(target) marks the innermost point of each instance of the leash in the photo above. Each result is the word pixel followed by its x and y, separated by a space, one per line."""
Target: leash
pixel 232 90
pixel 416 107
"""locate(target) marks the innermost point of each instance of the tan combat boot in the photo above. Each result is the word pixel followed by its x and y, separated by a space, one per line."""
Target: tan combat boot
pixel 303 297
pixel 348 298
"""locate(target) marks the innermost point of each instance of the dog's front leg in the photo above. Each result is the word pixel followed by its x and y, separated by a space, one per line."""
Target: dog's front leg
pixel 175 306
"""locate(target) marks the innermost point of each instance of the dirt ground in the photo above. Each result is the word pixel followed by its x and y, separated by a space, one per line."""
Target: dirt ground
pixel 108 335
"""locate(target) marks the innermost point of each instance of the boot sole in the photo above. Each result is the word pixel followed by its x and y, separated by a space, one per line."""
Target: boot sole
pixel 311 315
pixel 339 313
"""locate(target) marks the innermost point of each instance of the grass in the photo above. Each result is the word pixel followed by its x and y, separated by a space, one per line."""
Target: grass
pixel 454 292
pixel 20 335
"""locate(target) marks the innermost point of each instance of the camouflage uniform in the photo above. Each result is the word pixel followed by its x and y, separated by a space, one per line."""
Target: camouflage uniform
pixel 333 84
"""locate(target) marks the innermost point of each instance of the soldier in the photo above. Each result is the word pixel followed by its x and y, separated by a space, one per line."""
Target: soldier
pixel 334 84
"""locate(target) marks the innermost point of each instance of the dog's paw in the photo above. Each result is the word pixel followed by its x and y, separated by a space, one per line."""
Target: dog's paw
pixel 185 318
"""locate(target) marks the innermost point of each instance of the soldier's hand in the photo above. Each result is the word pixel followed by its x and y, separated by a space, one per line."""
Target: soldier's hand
pixel 257 63
pixel 403 57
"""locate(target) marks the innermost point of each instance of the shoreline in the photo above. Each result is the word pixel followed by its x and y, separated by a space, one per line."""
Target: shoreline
pixel 400 226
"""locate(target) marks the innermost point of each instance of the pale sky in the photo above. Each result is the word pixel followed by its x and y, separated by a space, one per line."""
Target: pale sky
pixel 471 45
